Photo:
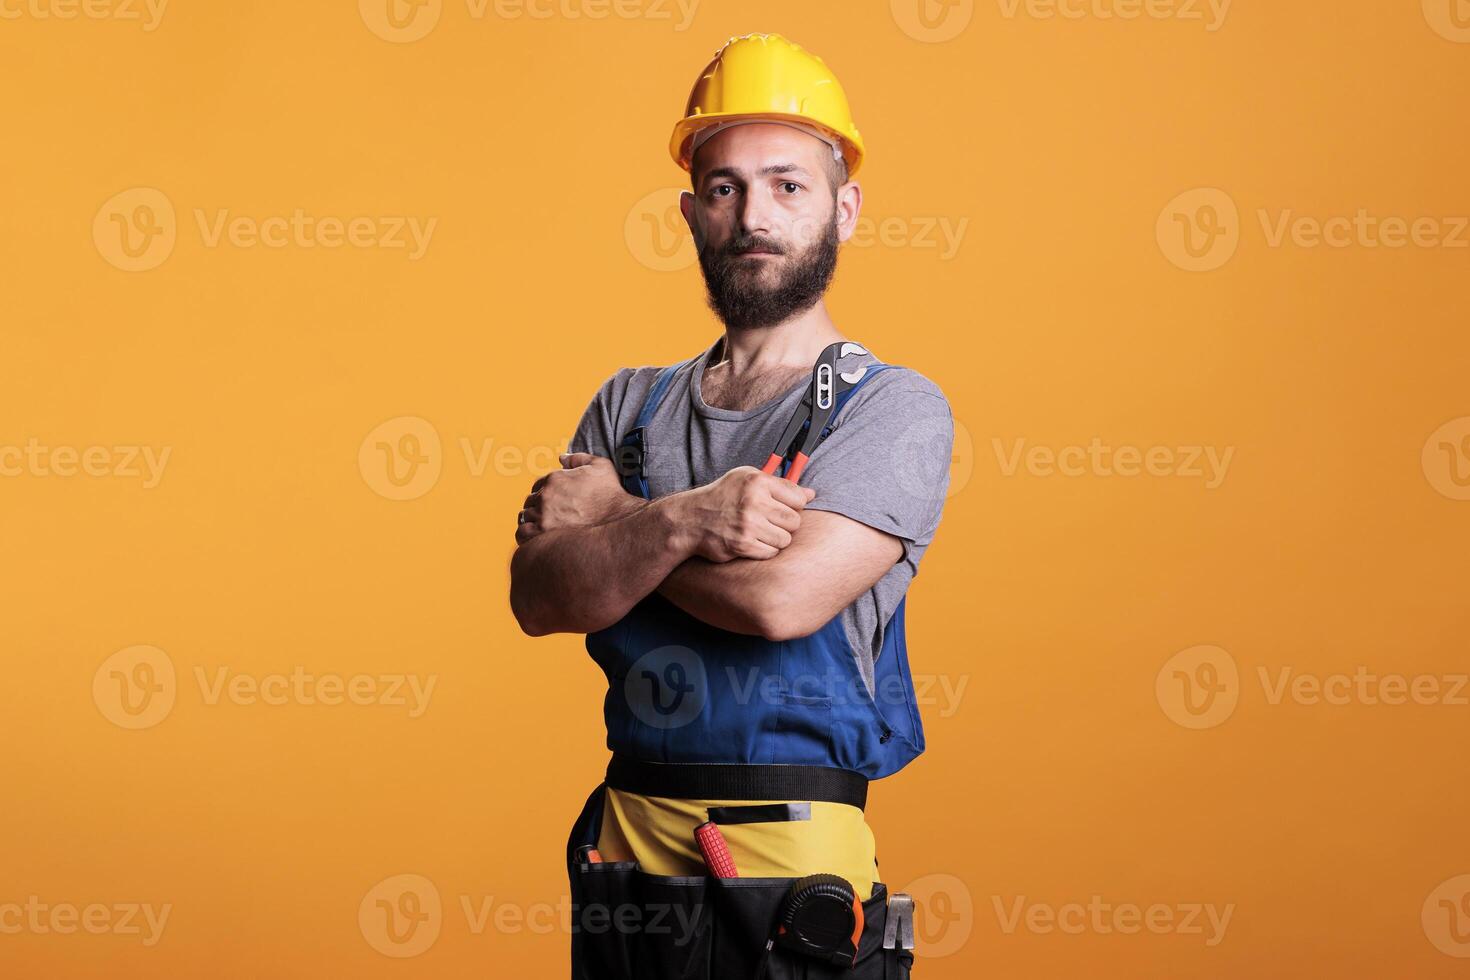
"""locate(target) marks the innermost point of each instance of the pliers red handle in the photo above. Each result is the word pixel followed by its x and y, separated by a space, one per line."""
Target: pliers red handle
pixel 817 407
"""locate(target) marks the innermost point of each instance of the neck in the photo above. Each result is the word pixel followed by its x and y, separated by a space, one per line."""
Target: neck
pixel 795 342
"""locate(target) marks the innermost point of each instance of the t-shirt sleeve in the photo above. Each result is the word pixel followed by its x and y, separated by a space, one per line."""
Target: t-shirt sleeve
pixel 887 462
pixel 595 431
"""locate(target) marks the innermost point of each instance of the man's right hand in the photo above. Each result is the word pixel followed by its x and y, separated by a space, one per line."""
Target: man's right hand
pixel 743 514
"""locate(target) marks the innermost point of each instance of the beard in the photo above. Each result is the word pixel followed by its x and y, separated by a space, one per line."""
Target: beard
pixel 744 293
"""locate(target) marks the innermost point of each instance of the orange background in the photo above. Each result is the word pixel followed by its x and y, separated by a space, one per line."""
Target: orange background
pixel 271 543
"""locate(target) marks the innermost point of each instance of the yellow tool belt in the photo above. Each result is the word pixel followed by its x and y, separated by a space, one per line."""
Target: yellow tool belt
pixel 766 838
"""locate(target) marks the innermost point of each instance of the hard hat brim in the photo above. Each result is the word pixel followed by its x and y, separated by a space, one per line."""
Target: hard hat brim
pixel 684 130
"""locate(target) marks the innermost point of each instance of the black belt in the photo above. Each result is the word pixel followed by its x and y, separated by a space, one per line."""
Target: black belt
pixel 721 781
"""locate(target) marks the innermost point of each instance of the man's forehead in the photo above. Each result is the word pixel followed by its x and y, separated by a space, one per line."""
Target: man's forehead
pixel 753 148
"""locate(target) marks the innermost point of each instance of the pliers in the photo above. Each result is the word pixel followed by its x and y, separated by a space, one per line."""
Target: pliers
pixel 816 409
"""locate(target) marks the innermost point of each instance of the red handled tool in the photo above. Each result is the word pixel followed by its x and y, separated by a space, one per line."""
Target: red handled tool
pixel 817 407
pixel 716 852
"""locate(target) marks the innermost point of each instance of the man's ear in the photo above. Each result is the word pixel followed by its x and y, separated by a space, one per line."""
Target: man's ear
pixel 686 208
pixel 849 205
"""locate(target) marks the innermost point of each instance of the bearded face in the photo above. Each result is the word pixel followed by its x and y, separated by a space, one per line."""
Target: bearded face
pixel 757 281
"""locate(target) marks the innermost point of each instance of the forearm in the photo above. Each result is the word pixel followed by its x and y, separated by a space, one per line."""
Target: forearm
pixel 735 595
pixel 832 560
pixel 583 579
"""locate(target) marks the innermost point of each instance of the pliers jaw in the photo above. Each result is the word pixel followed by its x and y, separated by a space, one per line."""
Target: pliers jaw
pixel 816 409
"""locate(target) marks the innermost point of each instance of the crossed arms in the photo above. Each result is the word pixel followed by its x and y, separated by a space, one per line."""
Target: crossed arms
pixel 741 553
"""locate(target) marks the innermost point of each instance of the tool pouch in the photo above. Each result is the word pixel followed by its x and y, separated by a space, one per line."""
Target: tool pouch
pixel 631 925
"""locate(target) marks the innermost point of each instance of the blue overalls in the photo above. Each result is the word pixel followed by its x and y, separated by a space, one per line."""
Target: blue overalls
pixel 697 712
pixel 680 690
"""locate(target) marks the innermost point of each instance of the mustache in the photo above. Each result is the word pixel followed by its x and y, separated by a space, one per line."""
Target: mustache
pixel 740 246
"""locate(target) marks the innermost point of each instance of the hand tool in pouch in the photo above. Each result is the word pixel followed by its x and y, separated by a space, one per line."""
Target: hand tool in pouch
pixel 816 409
pixel 716 852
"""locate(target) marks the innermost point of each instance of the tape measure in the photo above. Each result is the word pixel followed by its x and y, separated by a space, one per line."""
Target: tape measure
pixel 821 917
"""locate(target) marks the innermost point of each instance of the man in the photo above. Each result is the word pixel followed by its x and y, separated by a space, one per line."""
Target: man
pixel 751 627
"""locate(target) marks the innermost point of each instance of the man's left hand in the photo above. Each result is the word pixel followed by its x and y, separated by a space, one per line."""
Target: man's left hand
pixel 585 492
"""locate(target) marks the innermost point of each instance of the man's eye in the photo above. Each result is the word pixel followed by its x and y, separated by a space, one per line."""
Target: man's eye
pixel 790 186
pixel 715 192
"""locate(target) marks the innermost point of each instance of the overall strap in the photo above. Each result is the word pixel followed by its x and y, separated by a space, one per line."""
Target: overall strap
pixel 843 398
pixel 628 458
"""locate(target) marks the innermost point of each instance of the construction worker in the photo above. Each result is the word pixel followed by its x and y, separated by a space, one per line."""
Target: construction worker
pixel 750 623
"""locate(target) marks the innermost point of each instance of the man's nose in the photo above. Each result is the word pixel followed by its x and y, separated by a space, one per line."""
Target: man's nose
pixel 755 212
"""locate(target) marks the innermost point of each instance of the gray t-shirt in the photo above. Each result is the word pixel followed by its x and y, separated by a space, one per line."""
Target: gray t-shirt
pixel 885 464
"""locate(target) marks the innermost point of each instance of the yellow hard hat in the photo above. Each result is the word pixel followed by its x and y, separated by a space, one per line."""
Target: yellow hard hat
pixel 765 77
